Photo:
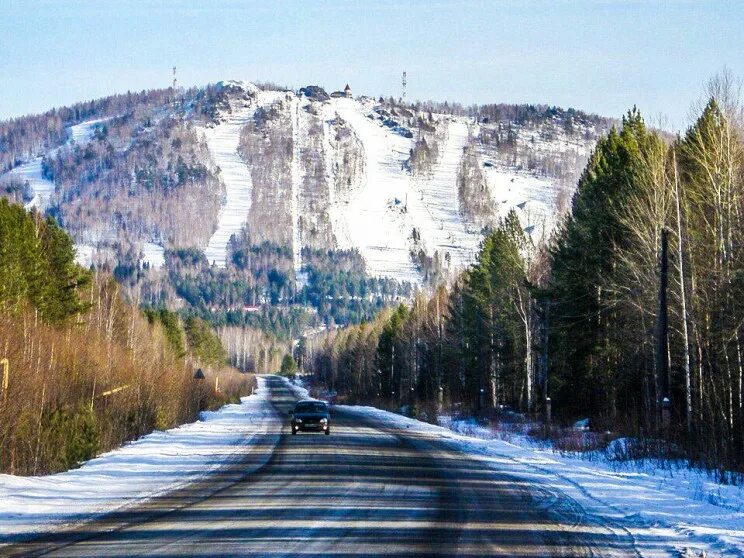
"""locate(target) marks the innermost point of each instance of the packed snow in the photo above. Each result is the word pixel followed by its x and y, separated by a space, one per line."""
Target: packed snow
pixel 154 464
pixel 434 207
pixel 31 172
pixel 375 217
pixel 532 197
pixel 82 133
pixel 42 188
pixel 667 512
pixel 153 255
pixel 222 141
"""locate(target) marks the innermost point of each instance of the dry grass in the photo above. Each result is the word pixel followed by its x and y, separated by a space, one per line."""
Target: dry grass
pixel 60 407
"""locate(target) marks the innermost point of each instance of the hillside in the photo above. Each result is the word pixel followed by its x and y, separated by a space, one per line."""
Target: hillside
pixel 231 197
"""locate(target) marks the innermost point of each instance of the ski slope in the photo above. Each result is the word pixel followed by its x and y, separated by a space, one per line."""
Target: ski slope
pixel 82 133
pixel 222 141
pixel 532 197
pixel 31 171
pixel 375 217
pixel 434 208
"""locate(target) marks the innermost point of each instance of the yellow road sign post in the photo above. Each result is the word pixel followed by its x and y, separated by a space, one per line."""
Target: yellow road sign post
pixel 6 376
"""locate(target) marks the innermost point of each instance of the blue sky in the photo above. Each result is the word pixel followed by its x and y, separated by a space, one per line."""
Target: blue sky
pixel 600 56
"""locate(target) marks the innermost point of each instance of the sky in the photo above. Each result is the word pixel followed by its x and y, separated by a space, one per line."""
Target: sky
pixel 597 55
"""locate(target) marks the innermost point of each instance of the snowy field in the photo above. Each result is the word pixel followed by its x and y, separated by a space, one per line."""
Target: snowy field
pixel 149 466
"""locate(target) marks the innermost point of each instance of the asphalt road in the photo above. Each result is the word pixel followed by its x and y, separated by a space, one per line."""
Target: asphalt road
pixel 366 490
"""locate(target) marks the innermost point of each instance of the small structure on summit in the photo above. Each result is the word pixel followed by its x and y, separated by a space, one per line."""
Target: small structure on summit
pixel 346 93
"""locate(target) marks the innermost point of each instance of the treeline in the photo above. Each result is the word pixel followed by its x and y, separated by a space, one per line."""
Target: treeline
pixel 142 178
pixel 87 371
pixel 257 287
pixel 578 321
pixel 26 136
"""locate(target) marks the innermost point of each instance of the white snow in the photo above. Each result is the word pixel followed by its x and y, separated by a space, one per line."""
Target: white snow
pixel 667 512
pixel 222 141
pixel 532 197
pixel 82 133
pixel 84 254
pixel 142 469
pixel 42 188
pixel 435 207
pixel 381 213
pixel 374 217
pixel 153 255
pixel 298 130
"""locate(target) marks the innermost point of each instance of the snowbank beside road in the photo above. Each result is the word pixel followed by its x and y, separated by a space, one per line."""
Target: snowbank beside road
pixel 684 509
pixel 154 464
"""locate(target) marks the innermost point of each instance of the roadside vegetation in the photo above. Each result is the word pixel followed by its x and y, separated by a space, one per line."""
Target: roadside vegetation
pixel 87 370
pixel 576 320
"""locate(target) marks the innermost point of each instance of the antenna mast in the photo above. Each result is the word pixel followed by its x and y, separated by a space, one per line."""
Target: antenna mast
pixel 403 98
pixel 175 81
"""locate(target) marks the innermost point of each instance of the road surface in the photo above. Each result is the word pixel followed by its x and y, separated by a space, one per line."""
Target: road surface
pixel 366 490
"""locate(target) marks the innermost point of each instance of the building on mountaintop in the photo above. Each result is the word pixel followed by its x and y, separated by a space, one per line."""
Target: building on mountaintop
pixel 347 91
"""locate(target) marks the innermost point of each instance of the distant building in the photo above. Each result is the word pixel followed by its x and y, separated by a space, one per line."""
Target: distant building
pixel 347 91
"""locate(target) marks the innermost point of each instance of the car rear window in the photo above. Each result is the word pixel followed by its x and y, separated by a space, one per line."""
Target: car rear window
pixel 310 408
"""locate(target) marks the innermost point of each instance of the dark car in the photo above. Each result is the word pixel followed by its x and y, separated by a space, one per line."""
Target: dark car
pixel 310 414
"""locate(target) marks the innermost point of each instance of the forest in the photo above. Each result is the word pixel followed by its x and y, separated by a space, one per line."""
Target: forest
pixel 577 321
pixel 87 370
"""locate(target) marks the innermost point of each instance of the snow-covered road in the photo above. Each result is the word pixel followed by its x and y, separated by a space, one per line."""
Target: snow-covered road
pixel 380 484
pixel 152 465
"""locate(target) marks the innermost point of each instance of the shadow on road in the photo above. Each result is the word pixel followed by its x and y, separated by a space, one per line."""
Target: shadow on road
pixel 366 490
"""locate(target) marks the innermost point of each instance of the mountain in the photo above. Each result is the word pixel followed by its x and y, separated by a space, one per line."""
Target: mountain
pixel 230 198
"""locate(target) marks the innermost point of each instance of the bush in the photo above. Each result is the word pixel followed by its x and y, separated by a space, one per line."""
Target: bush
pixel 289 366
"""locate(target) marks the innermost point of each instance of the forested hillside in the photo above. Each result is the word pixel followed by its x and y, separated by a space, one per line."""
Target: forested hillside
pixel 317 209
pixel 578 319
pixel 87 370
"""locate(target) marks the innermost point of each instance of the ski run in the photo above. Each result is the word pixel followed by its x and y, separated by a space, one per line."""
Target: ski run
pixel 387 213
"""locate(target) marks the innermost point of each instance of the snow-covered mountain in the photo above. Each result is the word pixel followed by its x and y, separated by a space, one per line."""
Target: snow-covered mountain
pixel 350 183
pixel 234 195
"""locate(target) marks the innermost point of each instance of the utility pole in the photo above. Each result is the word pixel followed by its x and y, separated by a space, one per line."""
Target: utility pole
pixel 543 313
pixel 662 338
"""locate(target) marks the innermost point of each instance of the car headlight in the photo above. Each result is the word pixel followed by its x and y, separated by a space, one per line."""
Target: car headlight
pixel 323 420
pixel 298 420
